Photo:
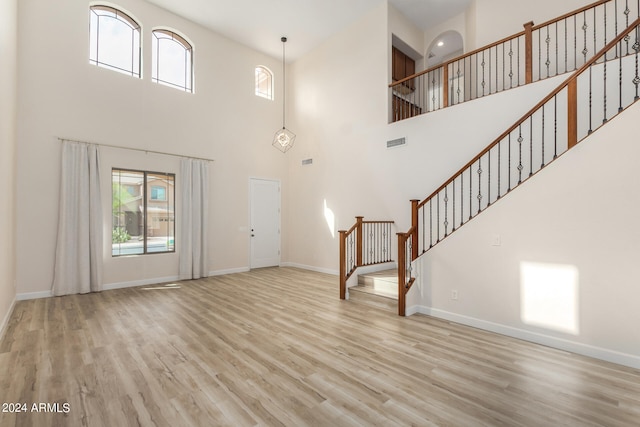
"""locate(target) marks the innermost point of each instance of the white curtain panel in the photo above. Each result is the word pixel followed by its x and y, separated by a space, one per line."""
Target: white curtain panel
pixel 192 240
pixel 78 264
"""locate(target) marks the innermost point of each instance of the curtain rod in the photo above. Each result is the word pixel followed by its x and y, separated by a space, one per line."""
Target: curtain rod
pixel 135 149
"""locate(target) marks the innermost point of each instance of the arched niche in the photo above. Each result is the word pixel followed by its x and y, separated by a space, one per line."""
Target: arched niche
pixel 445 46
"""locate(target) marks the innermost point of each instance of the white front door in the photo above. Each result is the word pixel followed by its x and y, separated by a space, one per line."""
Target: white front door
pixel 265 223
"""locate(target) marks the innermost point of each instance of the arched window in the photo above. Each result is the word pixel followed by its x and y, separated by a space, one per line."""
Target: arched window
pixel 264 82
pixel 172 60
pixel 114 40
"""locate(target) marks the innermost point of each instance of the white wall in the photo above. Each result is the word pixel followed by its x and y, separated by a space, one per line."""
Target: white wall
pixel 8 102
pixel 497 19
pixel 579 213
pixel 62 95
pixel 339 112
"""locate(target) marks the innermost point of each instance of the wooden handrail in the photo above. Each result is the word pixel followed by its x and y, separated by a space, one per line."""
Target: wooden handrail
pixel 458 58
pixel 529 28
pixel 570 14
pixel 539 105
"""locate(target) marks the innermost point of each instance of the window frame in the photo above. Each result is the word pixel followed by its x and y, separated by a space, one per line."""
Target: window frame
pixel 266 71
pixel 125 18
pixel 181 40
pixel 145 197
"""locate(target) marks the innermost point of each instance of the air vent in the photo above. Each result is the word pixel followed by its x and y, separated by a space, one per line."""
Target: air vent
pixel 306 162
pixel 396 142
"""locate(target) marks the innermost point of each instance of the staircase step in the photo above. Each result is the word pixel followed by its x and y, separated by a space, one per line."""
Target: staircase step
pixel 383 283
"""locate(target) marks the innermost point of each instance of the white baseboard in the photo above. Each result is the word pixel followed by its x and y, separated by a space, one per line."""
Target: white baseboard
pixel 228 271
pixel 34 295
pixel 5 321
pixel 310 268
pixel 605 354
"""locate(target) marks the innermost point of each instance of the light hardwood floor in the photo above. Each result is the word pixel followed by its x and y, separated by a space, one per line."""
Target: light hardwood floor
pixel 277 347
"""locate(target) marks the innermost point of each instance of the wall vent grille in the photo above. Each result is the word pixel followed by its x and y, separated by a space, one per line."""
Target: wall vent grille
pixel 396 142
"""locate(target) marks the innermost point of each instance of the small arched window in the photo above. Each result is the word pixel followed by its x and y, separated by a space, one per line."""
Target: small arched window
pixel 172 60
pixel 264 82
pixel 114 40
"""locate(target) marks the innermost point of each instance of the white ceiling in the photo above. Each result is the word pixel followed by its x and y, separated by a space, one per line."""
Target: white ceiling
pixel 259 24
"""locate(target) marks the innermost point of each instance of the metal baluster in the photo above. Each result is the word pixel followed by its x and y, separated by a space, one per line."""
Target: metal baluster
pixel 453 214
pixel 555 127
pixel 566 48
pixel 446 212
pixel 496 68
pixel 510 64
pixel 575 42
pixel 620 81
pixel 547 41
pixel 462 197
pixel 539 54
pixel 509 164
pixel 557 63
pixel 477 75
pixel 636 47
pixel 489 179
pixel 430 223
pixel 542 165
pixel 479 184
pixel 626 14
pixel 490 72
pixel 470 191
pixel 458 92
pixel 482 64
pixel 590 100
pixel 616 27
pixel 438 216
pixel 503 65
pixel 499 169
pixel 433 88
pixel 595 49
pixel 604 120
pixel 520 167
pixel 531 145
pixel 584 30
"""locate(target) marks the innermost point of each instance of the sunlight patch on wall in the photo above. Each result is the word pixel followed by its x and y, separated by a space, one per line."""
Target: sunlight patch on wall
pixel 330 217
pixel 549 296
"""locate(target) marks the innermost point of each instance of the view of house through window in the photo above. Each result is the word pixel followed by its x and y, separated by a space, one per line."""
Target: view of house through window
pixel 264 82
pixel 172 60
pixel 114 40
pixel 143 212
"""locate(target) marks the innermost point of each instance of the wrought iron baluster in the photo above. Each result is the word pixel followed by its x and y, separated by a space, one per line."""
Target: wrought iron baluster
pixel 557 62
pixel 547 41
pixel 575 42
pixel 453 214
pixel 604 120
pixel 490 72
pixel 520 167
pixel 430 223
pixel 499 169
pixel 479 184
pixel 555 126
pixel 585 51
pixel 543 117
pixel 462 198
pixel 438 217
pixel 620 80
pixel 539 54
pixel 566 48
pixel 531 145
pixel 626 12
pixel 590 100
pixel 470 192
pixel 636 47
pixel 510 64
pixel 446 212
pixel 489 179
pixel 509 164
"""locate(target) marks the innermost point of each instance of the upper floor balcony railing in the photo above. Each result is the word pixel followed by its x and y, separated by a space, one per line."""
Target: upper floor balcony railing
pixel 555 47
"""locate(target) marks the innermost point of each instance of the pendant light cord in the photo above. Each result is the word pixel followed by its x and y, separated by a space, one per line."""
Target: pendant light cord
pixel 284 75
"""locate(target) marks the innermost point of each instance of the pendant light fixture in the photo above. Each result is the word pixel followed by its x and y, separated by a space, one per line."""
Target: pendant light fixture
pixel 283 138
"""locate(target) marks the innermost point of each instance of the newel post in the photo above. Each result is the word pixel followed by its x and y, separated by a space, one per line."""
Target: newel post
pixel 343 264
pixel 572 113
pixel 528 52
pixel 402 269
pixel 414 224
pixel 359 241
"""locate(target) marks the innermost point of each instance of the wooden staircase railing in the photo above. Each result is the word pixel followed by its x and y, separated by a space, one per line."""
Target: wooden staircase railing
pixel 555 47
pixel 598 91
pixel 366 243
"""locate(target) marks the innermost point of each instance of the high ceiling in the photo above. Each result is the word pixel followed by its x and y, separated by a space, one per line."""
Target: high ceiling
pixel 259 24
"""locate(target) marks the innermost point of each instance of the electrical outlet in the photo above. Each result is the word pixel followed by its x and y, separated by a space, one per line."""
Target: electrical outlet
pixel 454 294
